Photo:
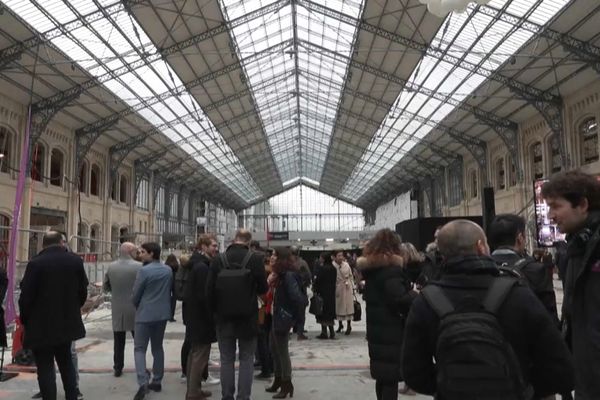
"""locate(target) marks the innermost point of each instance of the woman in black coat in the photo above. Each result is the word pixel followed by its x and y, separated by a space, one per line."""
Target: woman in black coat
pixel 388 296
pixel 324 286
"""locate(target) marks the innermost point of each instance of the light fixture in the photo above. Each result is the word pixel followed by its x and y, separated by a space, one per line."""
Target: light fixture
pixel 1 155
pixel 329 240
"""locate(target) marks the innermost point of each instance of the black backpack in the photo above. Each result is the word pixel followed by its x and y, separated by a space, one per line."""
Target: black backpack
pixel 234 288
pixel 474 361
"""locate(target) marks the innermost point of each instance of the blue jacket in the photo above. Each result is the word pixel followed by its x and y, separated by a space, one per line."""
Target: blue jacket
pixel 152 293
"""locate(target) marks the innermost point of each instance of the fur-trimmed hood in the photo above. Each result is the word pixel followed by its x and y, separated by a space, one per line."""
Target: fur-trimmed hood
pixel 379 261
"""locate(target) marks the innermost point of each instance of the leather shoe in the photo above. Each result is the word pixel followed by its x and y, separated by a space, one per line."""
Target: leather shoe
pixel 118 372
pixel 155 386
pixel 38 395
pixel 205 393
pixel 141 393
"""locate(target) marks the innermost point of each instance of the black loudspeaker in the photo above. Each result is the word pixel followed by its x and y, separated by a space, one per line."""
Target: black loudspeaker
pixel 488 207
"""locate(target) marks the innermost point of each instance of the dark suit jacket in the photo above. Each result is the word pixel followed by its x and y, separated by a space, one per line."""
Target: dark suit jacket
pixel 244 328
pixel 53 291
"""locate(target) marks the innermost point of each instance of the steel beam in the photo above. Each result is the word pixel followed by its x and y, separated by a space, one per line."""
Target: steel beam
pixel 584 51
pixel 547 104
pixel 85 138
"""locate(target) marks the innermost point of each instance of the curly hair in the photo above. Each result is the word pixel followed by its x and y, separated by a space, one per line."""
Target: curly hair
pixel 574 186
pixel 384 242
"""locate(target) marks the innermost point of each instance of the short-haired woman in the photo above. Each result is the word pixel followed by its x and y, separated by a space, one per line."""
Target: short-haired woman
pixel 388 297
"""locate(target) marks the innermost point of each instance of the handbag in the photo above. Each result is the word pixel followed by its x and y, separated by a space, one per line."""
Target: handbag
pixel 357 311
pixel 282 320
pixel 316 305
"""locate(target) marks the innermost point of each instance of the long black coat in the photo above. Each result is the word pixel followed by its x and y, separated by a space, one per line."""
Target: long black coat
pixel 388 296
pixel 324 285
pixel 544 358
pixel 198 319
pixel 53 291
pixel 240 328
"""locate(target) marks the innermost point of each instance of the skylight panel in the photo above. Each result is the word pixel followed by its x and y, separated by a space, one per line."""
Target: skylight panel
pixel 477 38
pixel 101 40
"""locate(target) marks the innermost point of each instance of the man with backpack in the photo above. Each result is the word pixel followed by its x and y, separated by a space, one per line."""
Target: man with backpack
pixel 490 336
pixel 235 279
pixel 507 237
pixel 574 201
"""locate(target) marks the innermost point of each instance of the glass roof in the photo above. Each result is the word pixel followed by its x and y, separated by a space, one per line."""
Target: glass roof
pixel 299 143
pixel 472 36
pixel 115 49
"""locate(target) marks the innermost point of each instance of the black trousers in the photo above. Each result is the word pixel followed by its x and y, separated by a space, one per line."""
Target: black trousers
pixel 119 350
pixel 386 390
pixel 44 360
pixel 263 346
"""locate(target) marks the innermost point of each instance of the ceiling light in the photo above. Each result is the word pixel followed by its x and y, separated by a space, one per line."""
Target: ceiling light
pixel 329 240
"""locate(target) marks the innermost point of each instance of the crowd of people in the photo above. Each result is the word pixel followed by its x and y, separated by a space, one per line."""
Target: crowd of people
pixel 472 317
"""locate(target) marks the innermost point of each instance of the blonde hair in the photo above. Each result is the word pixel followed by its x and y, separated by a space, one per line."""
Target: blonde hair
pixel 184 259
pixel 410 253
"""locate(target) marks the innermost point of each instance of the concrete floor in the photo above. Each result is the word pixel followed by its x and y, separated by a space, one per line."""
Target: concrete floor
pixel 330 369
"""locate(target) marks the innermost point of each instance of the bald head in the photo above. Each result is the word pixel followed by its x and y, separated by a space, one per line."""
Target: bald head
pixel 462 238
pixel 127 249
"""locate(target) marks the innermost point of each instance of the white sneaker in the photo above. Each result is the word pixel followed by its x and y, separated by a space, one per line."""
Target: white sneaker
pixel 211 380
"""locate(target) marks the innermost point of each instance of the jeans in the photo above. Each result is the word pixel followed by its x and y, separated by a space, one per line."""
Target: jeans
pixel 281 355
pixel 386 390
pixel 119 349
pixel 196 364
pixel 44 360
pixel 227 347
pixel 154 333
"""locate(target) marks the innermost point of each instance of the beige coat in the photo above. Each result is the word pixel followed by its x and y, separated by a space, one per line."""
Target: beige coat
pixel 344 292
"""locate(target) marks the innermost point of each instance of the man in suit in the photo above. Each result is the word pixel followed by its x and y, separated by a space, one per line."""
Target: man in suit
pixel 119 280
pixel 53 290
pixel 234 331
pixel 151 296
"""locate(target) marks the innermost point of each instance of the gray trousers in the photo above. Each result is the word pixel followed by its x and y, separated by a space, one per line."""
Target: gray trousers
pixel 154 333
pixel 227 348
pixel 281 355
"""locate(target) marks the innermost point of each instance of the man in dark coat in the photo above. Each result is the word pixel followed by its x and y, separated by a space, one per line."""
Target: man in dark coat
pixel 544 359
pixel 53 291
pixel 200 326
pixel 507 237
pixel 242 331
pixel 574 201
pixel 388 297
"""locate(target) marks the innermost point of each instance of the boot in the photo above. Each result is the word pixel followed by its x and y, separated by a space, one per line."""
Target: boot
pixel 323 334
pixel 331 333
pixel 286 388
pixel 340 327
pixel 348 329
pixel 274 386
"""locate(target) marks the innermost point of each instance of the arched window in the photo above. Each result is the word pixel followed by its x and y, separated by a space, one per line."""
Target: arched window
pixel 512 168
pixel 83 175
pixel 555 159
pixel 4 234
pixel 113 189
pixel 95 180
pixel 37 163
pixel 537 161
pixel 500 175
pixel 589 141
pixel 94 237
pixel 123 190
pixel 82 243
pixel 5 153
pixel 474 185
pixel 56 167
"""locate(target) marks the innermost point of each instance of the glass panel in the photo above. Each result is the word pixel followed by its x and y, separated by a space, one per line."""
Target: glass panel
pixel 589 140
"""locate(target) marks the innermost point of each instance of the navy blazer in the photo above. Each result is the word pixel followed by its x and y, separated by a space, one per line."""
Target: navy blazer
pixel 152 292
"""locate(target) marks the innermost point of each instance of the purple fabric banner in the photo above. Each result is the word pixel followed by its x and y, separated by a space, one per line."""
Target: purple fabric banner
pixel 11 312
